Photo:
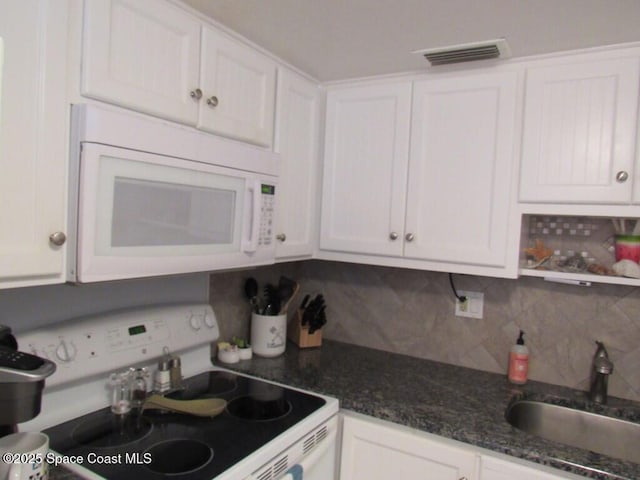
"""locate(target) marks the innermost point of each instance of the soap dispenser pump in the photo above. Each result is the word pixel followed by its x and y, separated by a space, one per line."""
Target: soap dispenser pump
pixel 519 362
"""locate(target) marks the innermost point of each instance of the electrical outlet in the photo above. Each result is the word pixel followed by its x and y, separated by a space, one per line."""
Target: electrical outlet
pixel 472 307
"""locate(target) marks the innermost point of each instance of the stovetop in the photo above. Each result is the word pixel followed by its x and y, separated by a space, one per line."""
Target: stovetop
pixel 157 444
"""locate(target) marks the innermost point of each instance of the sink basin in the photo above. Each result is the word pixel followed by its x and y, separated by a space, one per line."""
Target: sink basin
pixel 591 431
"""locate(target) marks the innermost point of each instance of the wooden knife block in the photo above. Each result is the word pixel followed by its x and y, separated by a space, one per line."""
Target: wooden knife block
pixel 299 334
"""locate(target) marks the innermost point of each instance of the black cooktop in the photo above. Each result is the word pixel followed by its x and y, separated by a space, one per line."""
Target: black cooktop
pixel 159 444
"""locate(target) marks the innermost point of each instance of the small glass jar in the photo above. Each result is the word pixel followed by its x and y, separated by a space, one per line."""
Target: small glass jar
pixel 139 386
pixel 120 384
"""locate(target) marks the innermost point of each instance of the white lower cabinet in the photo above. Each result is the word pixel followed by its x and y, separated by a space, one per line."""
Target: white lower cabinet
pixel 501 469
pixel 374 449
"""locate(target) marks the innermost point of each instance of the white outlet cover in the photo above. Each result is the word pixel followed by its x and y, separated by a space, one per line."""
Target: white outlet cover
pixel 473 307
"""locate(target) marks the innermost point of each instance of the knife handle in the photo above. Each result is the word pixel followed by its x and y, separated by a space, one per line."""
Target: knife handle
pixel 303 305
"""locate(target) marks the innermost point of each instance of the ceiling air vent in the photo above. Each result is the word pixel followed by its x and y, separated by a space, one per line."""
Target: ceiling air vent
pixel 467 52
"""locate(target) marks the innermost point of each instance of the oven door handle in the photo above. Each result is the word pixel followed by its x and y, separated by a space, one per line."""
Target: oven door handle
pixel 297 471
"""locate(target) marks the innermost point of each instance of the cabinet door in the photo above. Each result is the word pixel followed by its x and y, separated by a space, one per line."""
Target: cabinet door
pixel 33 129
pixel 365 168
pixel 498 469
pixel 460 170
pixel 239 86
pixel 297 133
pixel 579 132
pixel 143 55
pixel 372 450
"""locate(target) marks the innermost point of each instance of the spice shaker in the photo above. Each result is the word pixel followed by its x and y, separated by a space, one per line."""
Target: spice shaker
pixel 175 372
pixel 162 379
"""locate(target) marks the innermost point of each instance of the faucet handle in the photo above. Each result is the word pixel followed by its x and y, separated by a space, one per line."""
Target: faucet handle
pixel 601 362
pixel 601 351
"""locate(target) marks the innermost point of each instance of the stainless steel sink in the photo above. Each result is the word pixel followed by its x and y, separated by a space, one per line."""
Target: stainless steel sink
pixel 591 431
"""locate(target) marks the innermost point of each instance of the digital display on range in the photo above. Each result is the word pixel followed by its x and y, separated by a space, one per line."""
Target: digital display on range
pixel 137 330
pixel 268 189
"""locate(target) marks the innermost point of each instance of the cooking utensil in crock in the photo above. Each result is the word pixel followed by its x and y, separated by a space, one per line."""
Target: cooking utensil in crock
pixel 251 291
pixel 271 300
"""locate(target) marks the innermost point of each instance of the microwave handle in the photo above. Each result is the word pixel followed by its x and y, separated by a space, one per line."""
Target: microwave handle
pixel 254 190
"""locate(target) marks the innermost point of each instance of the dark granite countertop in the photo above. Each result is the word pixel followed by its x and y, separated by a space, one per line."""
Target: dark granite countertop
pixel 454 402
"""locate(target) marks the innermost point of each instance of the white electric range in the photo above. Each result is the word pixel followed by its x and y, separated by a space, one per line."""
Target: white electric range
pixel 266 432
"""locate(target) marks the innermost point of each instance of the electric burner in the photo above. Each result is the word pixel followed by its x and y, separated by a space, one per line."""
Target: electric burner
pixel 250 408
pixel 106 430
pixel 221 383
pixel 179 457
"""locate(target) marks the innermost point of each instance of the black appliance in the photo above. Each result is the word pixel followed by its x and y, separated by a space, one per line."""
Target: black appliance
pixel 21 383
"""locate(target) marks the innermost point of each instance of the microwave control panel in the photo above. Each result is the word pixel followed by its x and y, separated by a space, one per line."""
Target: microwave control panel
pixel 267 193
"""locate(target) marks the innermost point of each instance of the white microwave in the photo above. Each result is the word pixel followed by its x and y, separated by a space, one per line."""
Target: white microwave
pixel 151 198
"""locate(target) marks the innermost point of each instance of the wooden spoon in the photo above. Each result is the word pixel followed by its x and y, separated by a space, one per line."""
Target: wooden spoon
pixel 205 407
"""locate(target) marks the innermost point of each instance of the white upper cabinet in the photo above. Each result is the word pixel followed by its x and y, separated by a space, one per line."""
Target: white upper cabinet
pixel 33 150
pixel 580 130
pixel 238 85
pixel 297 134
pixel 421 175
pixel 460 168
pixel 154 57
pixel 144 55
pixel 365 168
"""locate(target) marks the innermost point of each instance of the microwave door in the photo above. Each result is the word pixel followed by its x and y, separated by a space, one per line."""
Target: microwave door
pixel 141 214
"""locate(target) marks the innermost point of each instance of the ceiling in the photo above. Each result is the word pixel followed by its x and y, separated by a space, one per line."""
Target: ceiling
pixel 338 39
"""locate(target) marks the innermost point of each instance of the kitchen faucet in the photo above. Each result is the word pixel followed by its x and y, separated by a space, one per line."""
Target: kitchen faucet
pixel 602 367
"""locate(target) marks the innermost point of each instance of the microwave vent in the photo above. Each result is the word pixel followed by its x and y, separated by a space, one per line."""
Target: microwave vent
pixel 468 52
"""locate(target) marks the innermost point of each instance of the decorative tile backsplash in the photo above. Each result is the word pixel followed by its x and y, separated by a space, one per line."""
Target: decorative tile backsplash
pixel 412 312
pixel 591 238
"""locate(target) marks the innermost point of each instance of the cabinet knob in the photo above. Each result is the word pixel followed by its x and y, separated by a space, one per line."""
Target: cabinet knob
pixel 196 94
pixel 393 236
pixel 282 237
pixel 409 237
pixel 57 238
pixel 462 478
pixel 622 176
pixel 212 101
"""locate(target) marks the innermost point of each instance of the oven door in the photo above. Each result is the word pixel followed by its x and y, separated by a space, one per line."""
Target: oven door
pixel 141 214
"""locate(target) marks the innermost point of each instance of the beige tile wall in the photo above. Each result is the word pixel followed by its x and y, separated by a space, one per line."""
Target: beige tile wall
pixel 412 312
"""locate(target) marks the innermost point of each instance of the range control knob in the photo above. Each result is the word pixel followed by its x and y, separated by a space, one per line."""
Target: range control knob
pixel 66 351
pixel 209 320
pixel 195 321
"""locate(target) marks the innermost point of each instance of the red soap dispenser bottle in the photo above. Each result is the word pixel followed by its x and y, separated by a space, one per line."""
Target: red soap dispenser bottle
pixel 519 362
